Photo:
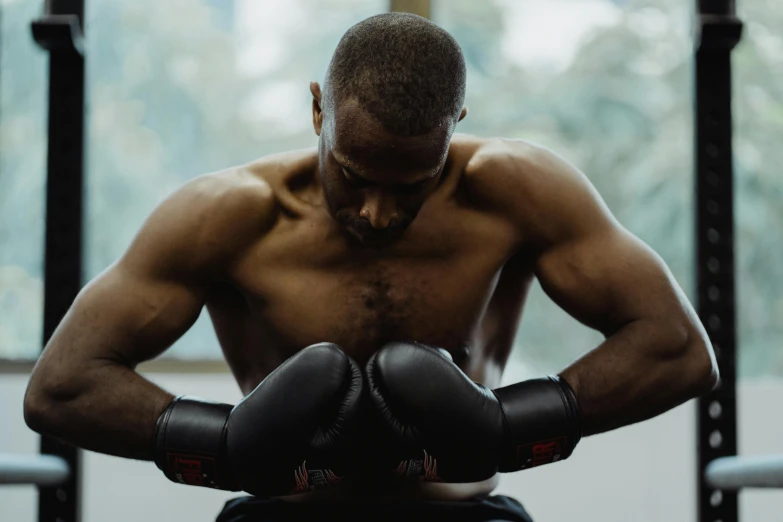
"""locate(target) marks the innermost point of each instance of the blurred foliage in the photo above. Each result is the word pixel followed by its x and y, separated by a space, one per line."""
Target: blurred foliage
pixel 183 87
pixel 620 110
pixel 23 73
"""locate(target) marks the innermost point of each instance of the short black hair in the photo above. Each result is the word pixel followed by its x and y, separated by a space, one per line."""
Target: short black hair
pixel 405 70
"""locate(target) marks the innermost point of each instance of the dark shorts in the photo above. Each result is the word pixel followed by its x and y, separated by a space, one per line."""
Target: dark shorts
pixel 483 508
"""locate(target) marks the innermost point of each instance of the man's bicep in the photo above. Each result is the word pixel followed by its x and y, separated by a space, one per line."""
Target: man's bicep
pixel 592 267
pixel 144 302
pixel 130 317
pixel 119 318
pixel 608 278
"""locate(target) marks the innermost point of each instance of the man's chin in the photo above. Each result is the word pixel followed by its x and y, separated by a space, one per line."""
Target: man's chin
pixel 369 241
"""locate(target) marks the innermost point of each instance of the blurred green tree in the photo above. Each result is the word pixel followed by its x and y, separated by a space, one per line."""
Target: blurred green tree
pixel 183 87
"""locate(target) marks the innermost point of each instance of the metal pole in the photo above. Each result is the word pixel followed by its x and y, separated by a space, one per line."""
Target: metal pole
pixel 60 31
pixel 717 32
pixel 41 470
pixel 734 473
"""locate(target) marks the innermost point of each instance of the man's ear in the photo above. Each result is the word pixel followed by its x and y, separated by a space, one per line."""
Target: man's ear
pixel 318 113
pixel 463 113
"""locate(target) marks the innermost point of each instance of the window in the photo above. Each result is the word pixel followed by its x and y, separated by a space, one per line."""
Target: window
pixel 23 79
pixel 606 84
pixel 758 185
pixel 178 89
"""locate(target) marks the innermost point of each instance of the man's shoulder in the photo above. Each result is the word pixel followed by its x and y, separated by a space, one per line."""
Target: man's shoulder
pixel 215 214
pixel 500 171
pixel 248 191
pixel 530 184
pixel 498 158
pixel 236 194
pixel 210 221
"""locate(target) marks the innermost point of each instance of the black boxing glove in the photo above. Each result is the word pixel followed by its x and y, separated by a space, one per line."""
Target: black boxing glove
pixel 441 426
pixel 291 434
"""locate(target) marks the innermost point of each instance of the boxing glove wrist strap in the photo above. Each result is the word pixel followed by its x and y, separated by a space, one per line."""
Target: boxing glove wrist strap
pixel 542 422
pixel 190 443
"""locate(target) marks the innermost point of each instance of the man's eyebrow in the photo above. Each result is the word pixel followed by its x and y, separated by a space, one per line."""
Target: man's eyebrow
pixel 354 171
pixel 345 163
pixel 351 171
pixel 422 181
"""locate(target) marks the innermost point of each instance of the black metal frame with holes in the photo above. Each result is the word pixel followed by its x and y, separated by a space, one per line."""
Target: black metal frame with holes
pixel 717 32
pixel 59 31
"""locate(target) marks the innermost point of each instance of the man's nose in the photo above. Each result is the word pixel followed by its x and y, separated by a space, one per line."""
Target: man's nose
pixel 379 209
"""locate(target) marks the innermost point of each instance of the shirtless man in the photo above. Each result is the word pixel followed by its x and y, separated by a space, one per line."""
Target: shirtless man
pixel 404 254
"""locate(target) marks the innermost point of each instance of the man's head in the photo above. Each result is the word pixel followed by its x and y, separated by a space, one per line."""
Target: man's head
pixel 393 93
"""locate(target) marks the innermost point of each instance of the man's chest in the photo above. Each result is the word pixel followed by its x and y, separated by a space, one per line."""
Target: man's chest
pixel 359 308
pixel 304 284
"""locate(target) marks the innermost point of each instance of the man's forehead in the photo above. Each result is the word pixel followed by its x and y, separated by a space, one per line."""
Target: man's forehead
pixel 359 138
pixel 385 159
pixel 352 120
pixel 382 150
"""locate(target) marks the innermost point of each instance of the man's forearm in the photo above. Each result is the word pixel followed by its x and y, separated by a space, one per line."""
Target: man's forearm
pixel 108 408
pixel 641 371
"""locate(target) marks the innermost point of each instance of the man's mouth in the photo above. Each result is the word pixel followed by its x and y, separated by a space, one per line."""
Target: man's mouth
pixel 369 239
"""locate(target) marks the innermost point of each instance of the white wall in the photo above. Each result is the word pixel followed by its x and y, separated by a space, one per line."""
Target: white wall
pixel 642 473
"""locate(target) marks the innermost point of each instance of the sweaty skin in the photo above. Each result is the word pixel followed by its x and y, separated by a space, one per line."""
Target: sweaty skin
pixel 259 247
